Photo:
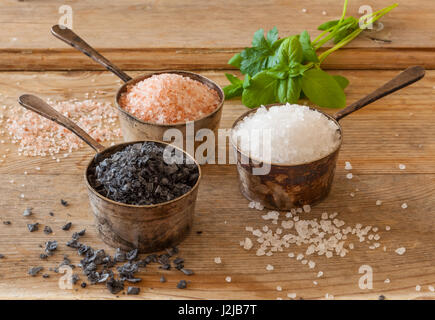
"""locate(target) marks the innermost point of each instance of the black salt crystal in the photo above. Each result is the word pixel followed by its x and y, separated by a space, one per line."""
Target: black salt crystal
pixel 133 290
pixel 34 271
pixel 114 286
pixel 132 255
pixel 162 279
pixel 2 256
pixel 83 285
pixel 33 226
pixel 7 223
pixel 139 175
pixel 182 284
pixel 67 226
pixel 64 202
pixel 50 246
pixel 47 230
pixel 187 272
pixel 46 276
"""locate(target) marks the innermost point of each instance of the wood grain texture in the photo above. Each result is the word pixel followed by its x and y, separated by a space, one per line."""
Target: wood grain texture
pixel 396 129
pixel 197 34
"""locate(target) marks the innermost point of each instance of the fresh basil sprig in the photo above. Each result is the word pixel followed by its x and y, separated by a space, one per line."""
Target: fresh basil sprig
pixel 284 70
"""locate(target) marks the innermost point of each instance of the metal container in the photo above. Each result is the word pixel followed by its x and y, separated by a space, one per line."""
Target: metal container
pixel 135 129
pixel 148 228
pixel 286 186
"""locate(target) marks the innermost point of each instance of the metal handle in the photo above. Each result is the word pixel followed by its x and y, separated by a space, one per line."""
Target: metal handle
pixel 405 78
pixel 37 105
pixel 68 36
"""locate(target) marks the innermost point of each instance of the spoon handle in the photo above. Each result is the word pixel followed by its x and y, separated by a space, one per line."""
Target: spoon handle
pixel 37 105
pixel 68 36
pixel 405 78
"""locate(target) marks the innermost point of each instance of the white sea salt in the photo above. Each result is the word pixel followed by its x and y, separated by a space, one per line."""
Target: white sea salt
pixel 378 202
pixel 248 244
pixel 387 281
pixel 347 165
pixel 228 279
pixel 291 295
pixel 402 166
pixel 218 260
pixel 404 205
pixel 269 267
pixel 278 288
pixel 293 134
pixel 400 250
pixel 431 288
pixel 417 288
pixel 349 176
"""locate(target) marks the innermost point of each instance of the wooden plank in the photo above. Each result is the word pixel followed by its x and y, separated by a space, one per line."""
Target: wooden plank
pixel 370 144
pixel 194 34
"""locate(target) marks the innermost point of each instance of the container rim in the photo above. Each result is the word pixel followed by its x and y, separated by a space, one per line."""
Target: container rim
pixel 240 118
pixel 161 204
pixel 192 75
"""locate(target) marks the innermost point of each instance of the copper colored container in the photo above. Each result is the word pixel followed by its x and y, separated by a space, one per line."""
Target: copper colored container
pixel 148 228
pixel 136 129
pixel 286 186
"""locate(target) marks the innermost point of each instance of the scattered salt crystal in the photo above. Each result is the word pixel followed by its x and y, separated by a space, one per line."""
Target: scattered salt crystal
pixel 431 288
pixel 300 256
pixel 269 267
pixel 22 196
pixel 349 176
pixel 417 288
pixel 309 135
pixel 304 10
pixel 402 167
pixel 352 194
pixel 347 165
pixel 248 244
pixel 329 296
pixel 287 224
pixel 291 255
pixel 315 282
pixel 38 168
pixel 291 295
pixel 400 250
pixel 388 228
pixel 228 279
pixel 387 281
pixel 169 98
pixel 319 274
pixel 324 13
pixel 307 208
pixel 404 205
pixel 378 202
pixel 278 288
pixel 218 260
pixel 311 264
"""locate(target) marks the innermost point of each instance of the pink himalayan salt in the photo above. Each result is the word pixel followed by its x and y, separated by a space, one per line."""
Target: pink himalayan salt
pixel 169 98
pixel 38 136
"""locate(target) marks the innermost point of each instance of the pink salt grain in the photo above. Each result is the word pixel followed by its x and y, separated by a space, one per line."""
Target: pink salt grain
pixel 38 136
pixel 169 98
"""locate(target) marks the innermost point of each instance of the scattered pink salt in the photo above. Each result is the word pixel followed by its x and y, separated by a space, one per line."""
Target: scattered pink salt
pixel 169 98
pixel 38 136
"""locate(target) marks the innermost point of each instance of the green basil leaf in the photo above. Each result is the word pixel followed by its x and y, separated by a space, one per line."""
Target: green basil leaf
pixel 262 90
pixel 294 87
pixel 233 79
pixel 259 56
pixel 327 25
pixel 232 91
pixel 295 53
pixel 342 81
pixel 322 89
pixel 246 81
pixel 309 54
pixel 236 60
pixel 282 91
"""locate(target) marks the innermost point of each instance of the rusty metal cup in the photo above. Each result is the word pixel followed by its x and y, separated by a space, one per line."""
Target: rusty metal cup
pixel 135 129
pixel 289 186
pixel 286 186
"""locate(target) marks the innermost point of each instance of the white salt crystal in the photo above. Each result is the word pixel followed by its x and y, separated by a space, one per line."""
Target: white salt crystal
pixel 417 288
pixel 431 288
pixel 349 176
pixel 315 282
pixel 387 281
pixel 404 205
pixel 402 166
pixel 347 165
pixel 218 260
pixel 291 295
pixel 278 288
pixel 269 267
pixel 307 208
pixel 248 244
pixel 304 10
pixel 319 274
pixel 297 134
pixel 378 202
pixel 324 13
pixel 388 228
pixel 228 279
pixel 400 250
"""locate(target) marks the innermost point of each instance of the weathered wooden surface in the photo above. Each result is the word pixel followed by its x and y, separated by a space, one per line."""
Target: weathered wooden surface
pixel 397 129
pixel 196 34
